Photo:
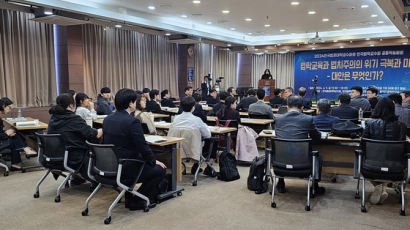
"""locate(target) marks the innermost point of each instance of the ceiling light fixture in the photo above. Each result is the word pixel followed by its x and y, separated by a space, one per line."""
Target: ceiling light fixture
pixel 184 16
pixel 151 7
pixel 167 34
pixel 267 25
pixel 334 40
pixel 225 11
pixel 313 48
pixel 196 1
pixel 248 19
pixel 118 26
pixel 325 20
pixel 371 44
pixel 311 12
pixel 336 25
pixel 404 43
pixel 209 23
pixel 48 12
pixel 249 33
pixel 229 45
pixel 294 3
pixel 380 22
pixel 364 6
pixel 282 30
pixel 232 28
pixel 373 15
pixel 367 39
pixel 341 47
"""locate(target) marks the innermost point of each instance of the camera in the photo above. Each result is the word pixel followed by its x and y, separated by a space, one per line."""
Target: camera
pixel 219 80
pixel 209 77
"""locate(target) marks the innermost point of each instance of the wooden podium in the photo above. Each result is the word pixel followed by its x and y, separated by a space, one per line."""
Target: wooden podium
pixel 268 86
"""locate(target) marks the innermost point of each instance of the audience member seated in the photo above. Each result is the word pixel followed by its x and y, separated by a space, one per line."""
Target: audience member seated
pixel 228 110
pixel 16 142
pixel 357 100
pixel 287 93
pixel 219 105
pixel 344 110
pixel 125 133
pixel 307 104
pixel 231 91
pixel 198 111
pixel 188 92
pixel 75 132
pixel 143 116
pixel 85 107
pixel 166 100
pixel 212 99
pixel 296 125
pixel 260 107
pixel 372 96
pixel 406 109
pixel 187 120
pixel 277 100
pixel 398 108
pixel 245 102
pixel 153 105
pixel 103 103
pixel 146 92
pixel 323 121
pixel 72 93
pixel 383 126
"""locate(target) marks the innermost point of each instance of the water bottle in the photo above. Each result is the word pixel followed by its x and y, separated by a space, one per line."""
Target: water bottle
pixel 19 113
pixel 360 114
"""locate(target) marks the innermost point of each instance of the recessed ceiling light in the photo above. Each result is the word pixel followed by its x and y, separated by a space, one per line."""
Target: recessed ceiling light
pixel 267 25
pixel 371 44
pixel 335 41
pixel 380 22
pixel 341 47
pixel 313 48
pixel 364 6
pixel 151 7
pixel 373 15
pixel 167 34
pixel 402 36
pixel 311 12
pixel 279 44
pixel 229 45
pixel 196 1
pixel 118 26
pixel 209 23
pixel 282 30
pixel 325 20
pixel 404 43
pixel 48 12
pixel 294 3
pixel 292 33
pixel 249 33
pixel 184 16
pixel 381 39
pixel 248 19
pixel 225 11
pixel 351 41
pixel 336 25
pixel 367 39
pixel 232 28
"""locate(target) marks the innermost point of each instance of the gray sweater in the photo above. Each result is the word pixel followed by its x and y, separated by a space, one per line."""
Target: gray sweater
pixel 360 102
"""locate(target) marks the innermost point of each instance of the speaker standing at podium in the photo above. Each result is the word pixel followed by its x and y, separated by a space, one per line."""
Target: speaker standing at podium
pixel 266 75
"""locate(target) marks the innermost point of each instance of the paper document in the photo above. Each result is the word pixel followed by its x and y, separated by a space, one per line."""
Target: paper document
pixel 27 123
pixel 100 116
pixel 154 139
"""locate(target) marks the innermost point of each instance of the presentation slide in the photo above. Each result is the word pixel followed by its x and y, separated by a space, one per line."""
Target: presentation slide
pixel 336 71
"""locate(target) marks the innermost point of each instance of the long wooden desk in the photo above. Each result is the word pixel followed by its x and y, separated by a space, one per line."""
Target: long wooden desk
pixel 307 111
pixel 247 121
pixel 171 111
pixel 166 147
pixel 40 126
pixel 156 116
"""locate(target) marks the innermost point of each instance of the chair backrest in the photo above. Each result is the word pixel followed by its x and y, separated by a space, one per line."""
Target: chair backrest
pixel 259 116
pixel 291 153
pixel 276 105
pixel 105 160
pixel 145 128
pixel 192 146
pixel 356 121
pixel 282 110
pixel 232 123
pixel 51 147
pixel 385 154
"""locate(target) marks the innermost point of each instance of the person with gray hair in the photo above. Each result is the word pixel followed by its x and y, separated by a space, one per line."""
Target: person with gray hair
pixel 287 93
pixel 324 121
pixel 307 104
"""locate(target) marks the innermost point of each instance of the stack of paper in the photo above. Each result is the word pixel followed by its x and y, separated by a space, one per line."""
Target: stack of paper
pixel 153 139
pixel 26 123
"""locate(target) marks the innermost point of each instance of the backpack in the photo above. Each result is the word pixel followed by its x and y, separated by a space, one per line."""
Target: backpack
pixel 227 167
pixel 256 174
pixel 223 138
pixel 346 129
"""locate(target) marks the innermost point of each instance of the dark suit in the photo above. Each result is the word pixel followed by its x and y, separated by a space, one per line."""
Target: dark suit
pixel 307 104
pixel 245 102
pixel 266 76
pixel 199 112
pixel 125 132
pixel 205 90
pixel 153 107
pixel 216 108
pixel 276 101
pixel 324 121
pixel 185 95
pixel 345 111
pixel 212 101
pixel 166 102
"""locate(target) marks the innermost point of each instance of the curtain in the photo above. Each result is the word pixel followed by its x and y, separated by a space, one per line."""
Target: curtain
pixel 27 66
pixel 203 62
pixel 225 65
pixel 281 67
pixel 127 59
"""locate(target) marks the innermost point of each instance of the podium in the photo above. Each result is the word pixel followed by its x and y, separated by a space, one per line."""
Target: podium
pixel 269 86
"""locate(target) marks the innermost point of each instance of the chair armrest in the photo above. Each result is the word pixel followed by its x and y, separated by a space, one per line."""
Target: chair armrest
pixel 408 155
pixel 69 148
pixel 315 153
pixel 137 175
pixel 359 152
pixel 122 161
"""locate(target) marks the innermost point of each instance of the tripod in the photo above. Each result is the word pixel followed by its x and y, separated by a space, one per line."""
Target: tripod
pixel 315 88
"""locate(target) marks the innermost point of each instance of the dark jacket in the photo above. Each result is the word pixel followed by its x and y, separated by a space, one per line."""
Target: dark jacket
pixel 199 112
pixel 205 90
pixel 211 101
pixel 379 129
pixel 245 102
pixel 75 132
pixel 228 114
pixel 166 102
pixel 103 106
pixel 324 121
pixel 276 101
pixel 153 107
pixel 125 132
pixel 216 108
pixel 296 125
pixel 307 104
pixel 373 102
pixel 345 111
pixel 266 76
pixel 3 134
pixel 185 95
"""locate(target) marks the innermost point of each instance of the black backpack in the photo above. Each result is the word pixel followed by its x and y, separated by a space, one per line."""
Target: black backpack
pixel 227 167
pixel 346 129
pixel 256 174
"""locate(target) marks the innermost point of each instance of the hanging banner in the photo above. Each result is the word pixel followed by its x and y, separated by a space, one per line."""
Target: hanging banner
pixel 336 71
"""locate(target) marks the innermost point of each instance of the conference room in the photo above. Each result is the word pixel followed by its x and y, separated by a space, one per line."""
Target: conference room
pixel 204 114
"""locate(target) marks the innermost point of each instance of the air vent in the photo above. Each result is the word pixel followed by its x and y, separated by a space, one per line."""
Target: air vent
pixel 59 20
pixel 183 39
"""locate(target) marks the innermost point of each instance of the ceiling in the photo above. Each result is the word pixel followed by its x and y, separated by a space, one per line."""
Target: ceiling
pixel 355 22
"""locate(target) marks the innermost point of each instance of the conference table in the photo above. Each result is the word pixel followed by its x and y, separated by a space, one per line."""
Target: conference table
pixel 306 111
pixel 156 116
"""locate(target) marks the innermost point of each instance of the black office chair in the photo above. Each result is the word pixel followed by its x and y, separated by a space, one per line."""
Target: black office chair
pixel 356 121
pixel 259 116
pixel 383 161
pixel 367 114
pixel 106 169
pixel 145 128
pixel 275 105
pixel 223 123
pixel 294 158
pixel 283 109
pixel 53 155
pixel 4 150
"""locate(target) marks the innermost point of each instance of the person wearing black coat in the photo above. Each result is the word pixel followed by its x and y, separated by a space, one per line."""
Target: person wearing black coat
pixel 245 102
pixel 153 106
pixel 165 99
pixel 228 111
pixel 103 103
pixel 212 99
pixel 266 75
pixel 198 111
pixel 205 87
pixel 74 130
pixel 344 110
pixel 125 132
